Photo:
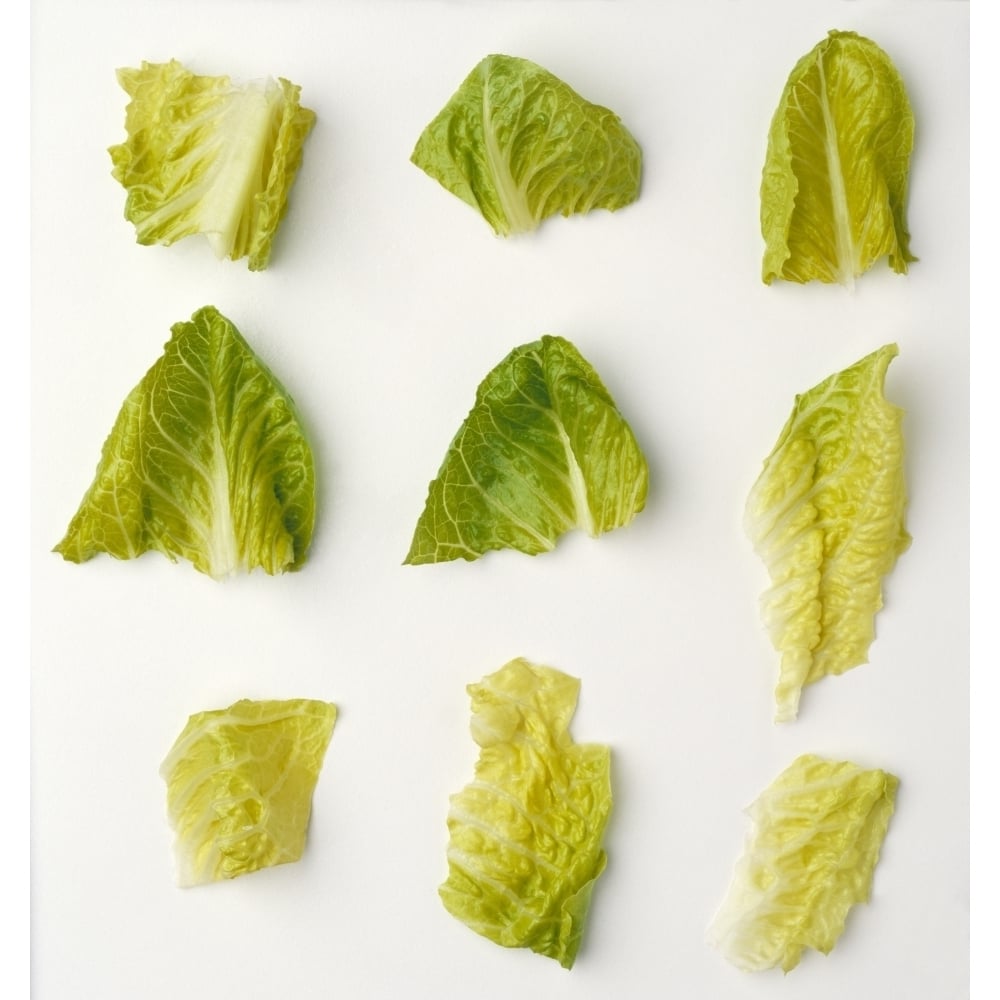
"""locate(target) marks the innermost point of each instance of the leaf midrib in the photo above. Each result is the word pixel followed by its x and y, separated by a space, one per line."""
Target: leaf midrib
pixel 843 241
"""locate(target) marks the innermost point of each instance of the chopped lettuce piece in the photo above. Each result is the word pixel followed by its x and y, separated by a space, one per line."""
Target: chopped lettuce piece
pixel 519 145
pixel 833 194
pixel 810 856
pixel 207 460
pixel 240 782
pixel 544 450
pixel 204 155
pixel 525 835
pixel 827 516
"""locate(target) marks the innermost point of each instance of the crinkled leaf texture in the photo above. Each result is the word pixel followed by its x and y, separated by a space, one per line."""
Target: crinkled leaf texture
pixel 519 145
pixel 810 856
pixel 240 782
pixel 204 155
pixel 834 190
pixel 525 835
pixel 544 450
pixel 207 460
pixel 827 516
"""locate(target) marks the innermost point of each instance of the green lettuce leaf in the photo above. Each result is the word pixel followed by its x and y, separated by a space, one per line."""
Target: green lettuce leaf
pixel 519 145
pixel 827 516
pixel 240 782
pixel 525 835
pixel 833 194
pixel 810 856
pixel 207 460
pixel 544 450
pixel 206 156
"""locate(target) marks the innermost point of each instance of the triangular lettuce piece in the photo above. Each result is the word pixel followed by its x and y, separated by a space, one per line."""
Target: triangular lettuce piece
pixel 525 835
pixel 207 461
pixel 810 856
pixel 240 782
pixel 204 155
pixel 519 145
pixel 544 450
pixel 827 516
pixel 833 194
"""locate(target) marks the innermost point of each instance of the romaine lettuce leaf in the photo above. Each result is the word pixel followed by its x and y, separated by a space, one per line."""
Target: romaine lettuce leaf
pixel 827 516
pixel 240 782
pixel 525 835
pixel 544 450
pixel 833 194
pixel 207 460
pixel 206 156
pixel 810 856
pixel 519 145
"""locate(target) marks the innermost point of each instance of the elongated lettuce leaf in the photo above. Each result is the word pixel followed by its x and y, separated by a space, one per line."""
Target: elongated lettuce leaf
pixel 240 782
pixel 204 155
pixel 815 840
pixel 207 460
pixel 525 835
pixel 833 195
pixel 519 145
pixel 827 517
pixel 544 450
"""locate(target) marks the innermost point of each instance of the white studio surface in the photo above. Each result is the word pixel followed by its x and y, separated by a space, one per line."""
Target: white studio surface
pixel 386 302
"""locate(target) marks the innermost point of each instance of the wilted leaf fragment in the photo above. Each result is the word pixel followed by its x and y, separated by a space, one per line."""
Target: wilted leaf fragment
pixel 827 516
pixel 207 461
pixel 519 145
pixel 525 835
pixel 810 856
pixel 544 450
pixel 204 155
pixel 834 190
pixel 240 782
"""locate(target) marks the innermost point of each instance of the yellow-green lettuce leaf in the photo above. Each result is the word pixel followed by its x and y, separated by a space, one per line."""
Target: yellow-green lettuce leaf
pixel 810 856
pixel 519 145
pixel 827 516
pixel 207 461
pixel 204 155
pixel 525 848
pixel 543 450
pixel 240 782
pixel 834 190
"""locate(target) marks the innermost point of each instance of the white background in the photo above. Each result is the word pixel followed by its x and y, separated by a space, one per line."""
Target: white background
pixel 386 302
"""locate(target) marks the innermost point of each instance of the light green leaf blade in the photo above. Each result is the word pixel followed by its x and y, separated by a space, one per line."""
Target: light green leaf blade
pixel 815 840
pixel 544 450
pixel 827 516
pixel 525 835
pixel 519 145
pixel 207 461
pixel 206 156
pixel 834 189
pixel 240 782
